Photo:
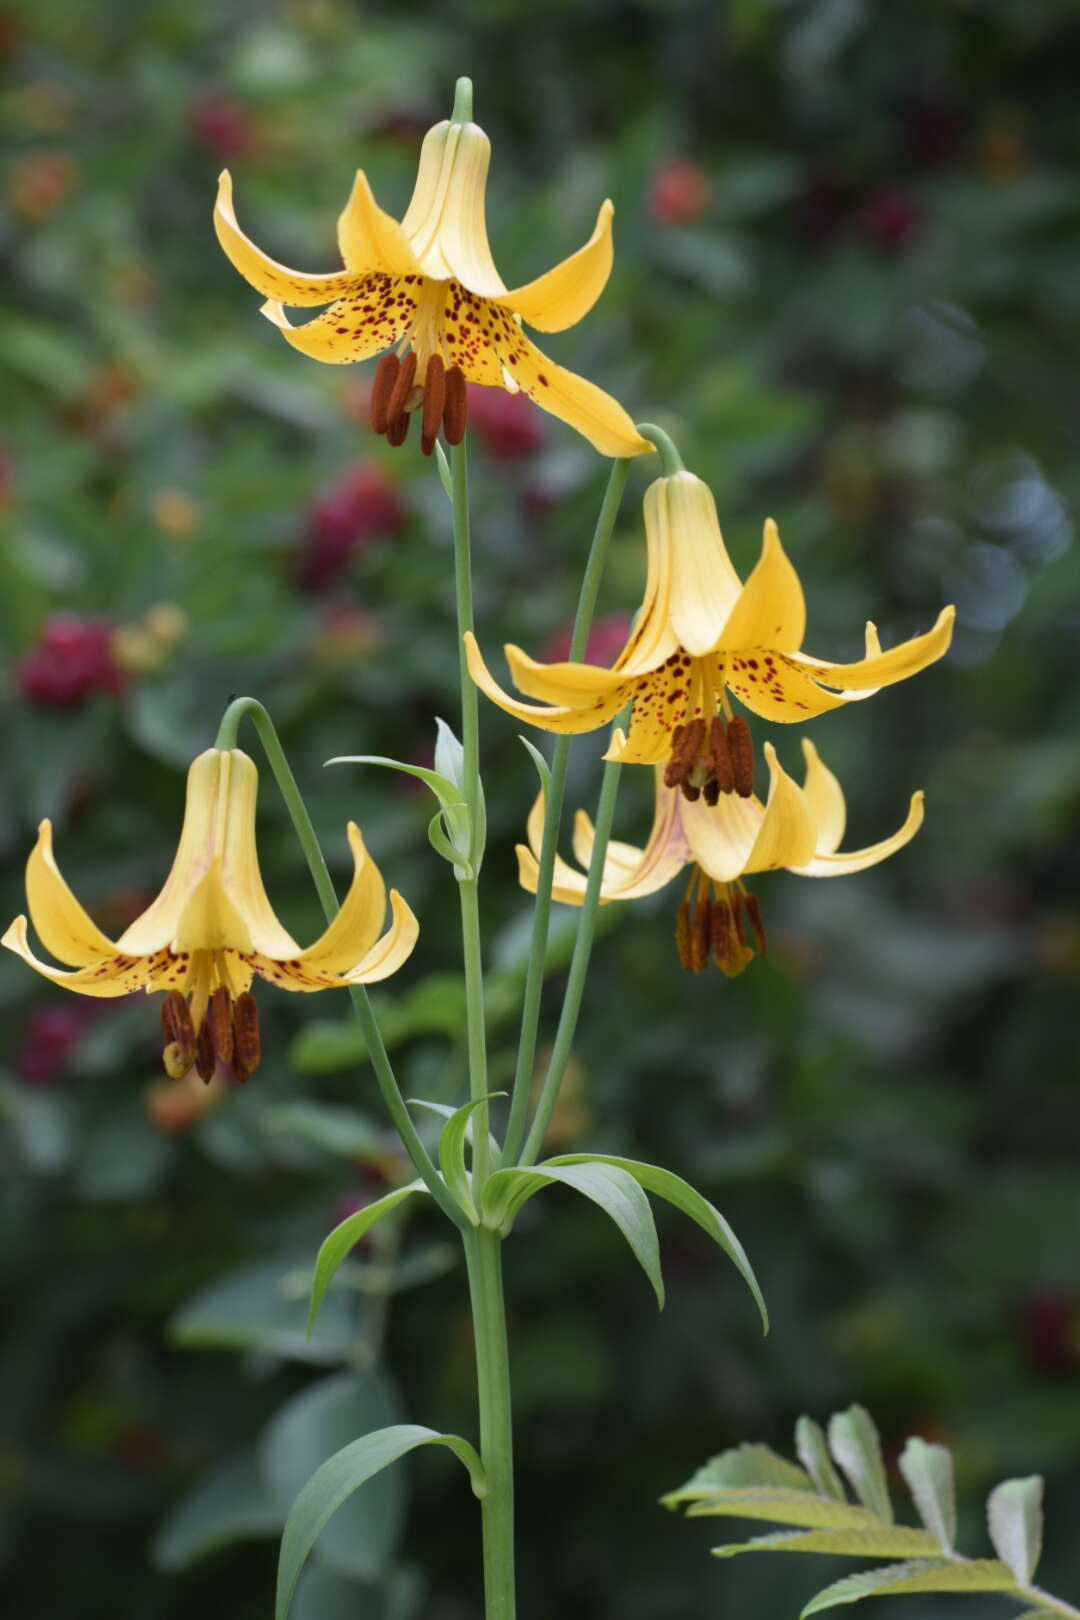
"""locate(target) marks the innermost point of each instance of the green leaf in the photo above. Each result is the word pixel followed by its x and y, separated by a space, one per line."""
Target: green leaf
pixel 747 1466
pixel 854 1442
pixel 928 1472
pixel 229 1504
pixel 445 790
pixel 449 755
pixel 345 1236
pixel 814 1455
pixel 445 475
pixel 920 1575
pixel 334 1129
pixel 455 1133
pixel 609 1186
pixel 261 1307
pixel 786 1507
pixel 883 1541
pixel 336 1480
pixel 543 769
pixel 665 1184
pixel 1014 1515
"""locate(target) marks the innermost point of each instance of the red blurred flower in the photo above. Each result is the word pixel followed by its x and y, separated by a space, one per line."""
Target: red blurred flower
pixel 679 192
pixel 1049 1329
pixel 820 210
pixel 510 425
pixel 222 125
pixel 362 506
pixel 73 660
pixel 607 639
pixel 39 185
pixel 890 219
pixel 50 1034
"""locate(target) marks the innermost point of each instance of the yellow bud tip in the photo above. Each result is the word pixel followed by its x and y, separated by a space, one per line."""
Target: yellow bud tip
pixel 462 113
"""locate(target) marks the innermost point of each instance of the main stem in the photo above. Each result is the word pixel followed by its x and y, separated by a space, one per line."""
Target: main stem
pixel 483 1257
pixel 560 760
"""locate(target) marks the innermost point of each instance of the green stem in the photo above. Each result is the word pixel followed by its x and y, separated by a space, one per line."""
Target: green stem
pixel 670 459
pixel 483 1258
pixel 1043 1601
pixel 468 887
pixel 560 759
pixel 246 707
pixel 579 967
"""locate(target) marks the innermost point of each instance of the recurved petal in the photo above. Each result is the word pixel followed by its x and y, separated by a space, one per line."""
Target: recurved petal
pixel 369 239
pixel 883 668
pixel 273 280
pixel 631 873
pixel 779 686
pixel 559 717
pixel 64 928
pixel 859 859
pixel 561 682
pixel 826 799
pixel 620 858
pixel 662 700
pixel 356 927
pixel 115 976
pixel 395 947
pixel 563 295
pixel 737 836
pixel 702 586
pixel 596 415
pixel 771 610
pixel 357 326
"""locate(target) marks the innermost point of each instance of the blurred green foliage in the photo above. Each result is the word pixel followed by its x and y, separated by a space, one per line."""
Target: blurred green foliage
pixel 845 280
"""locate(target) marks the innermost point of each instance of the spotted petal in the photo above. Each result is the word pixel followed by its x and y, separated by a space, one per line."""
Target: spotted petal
pixel 117 975
pixel 568 718
pixel 375 313
pixel 273 280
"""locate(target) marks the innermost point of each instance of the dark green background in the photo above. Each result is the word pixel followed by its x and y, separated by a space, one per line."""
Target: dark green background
pixel 870 333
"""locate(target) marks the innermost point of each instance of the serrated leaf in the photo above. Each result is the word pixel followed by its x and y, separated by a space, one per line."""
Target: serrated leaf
pixel 336 1480
pixel 1014 1515
pixel 920 1575
pixel 743 1467
pixel 928 1473
pixel 617 1194
pixel 813 1453
pixel 345 1236
pixel 674 1190
pixel 803 1508
pixel 883 1541
pixel 854 1442
pixel 455 1134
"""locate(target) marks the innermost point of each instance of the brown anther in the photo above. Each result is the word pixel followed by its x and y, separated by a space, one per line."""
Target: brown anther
pixel 720 755
pixel 721 933
pixel 753 911
pixel 682 936
pixel 686 746
pixel 174 1062
pixel 398 430
pixel 711 791
pixel 701 936
pixel 434 401
pixel 456 407
pixel 399 394
pixel 737 916
pixel 741 747
pixel 177 1028
pixel 219 1018
pixel 247 1048
pixel 205 1056
pixel 691 791
pixel 386 374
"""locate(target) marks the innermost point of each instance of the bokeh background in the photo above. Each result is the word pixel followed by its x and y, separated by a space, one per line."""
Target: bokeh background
pixel 847 281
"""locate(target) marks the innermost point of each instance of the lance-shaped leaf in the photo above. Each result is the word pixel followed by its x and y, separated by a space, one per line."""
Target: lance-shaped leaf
pixel 1015 1518
pixel 665 1184
pixel 748 1466
pixel 919 1575
pixel 449 831
pixel 813 1453
pixel 616 1192
pixel 455 1133
pixel 344 1473
pixel 928 1472
pixel 345 1236
pixel 854 1442
pixel 881 1541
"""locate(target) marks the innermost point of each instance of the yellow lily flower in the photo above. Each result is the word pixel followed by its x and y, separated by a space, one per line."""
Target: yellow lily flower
pixel 799 829
pixel 428 287
pixel 212 928
pixel 701 633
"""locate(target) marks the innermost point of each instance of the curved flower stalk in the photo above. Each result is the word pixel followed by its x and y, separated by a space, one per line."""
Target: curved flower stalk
pixel 427 288
pixel 798 828
pixel 212 929
pixel 702 633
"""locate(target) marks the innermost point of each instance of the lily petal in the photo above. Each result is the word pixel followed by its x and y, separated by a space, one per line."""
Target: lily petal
pixel 826 799
pixel 883 668
pixel 115 976
pixel 355 327
pixel 737 836
pixel 565 294
pixel 369 238
pixel 779 686
pixel 395 947
pixel 662 700
pixel 64 928
pixel 210 920
pixel 560 717
pixel 356 927
pixel 273 280
pixel 771 610
pixel 859 859
pixel 444 222
pixel 631 873
pixel 703 587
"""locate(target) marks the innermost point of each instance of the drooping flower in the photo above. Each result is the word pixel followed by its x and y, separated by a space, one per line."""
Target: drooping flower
pixel 798 828
pixel 700 634
pixel 427 289
pixel 212 928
